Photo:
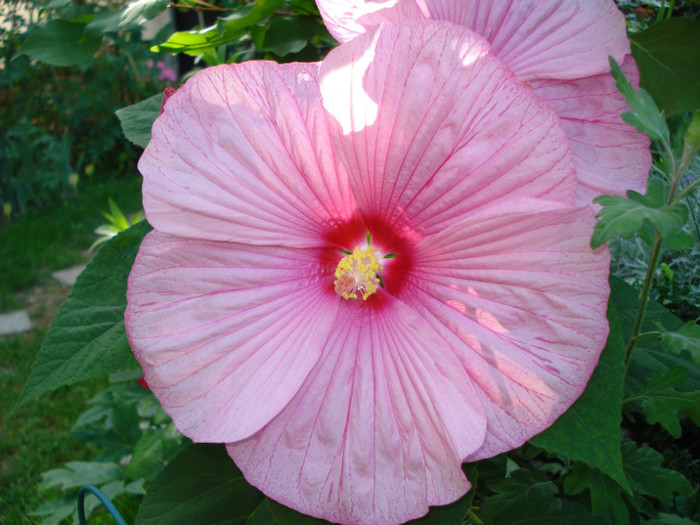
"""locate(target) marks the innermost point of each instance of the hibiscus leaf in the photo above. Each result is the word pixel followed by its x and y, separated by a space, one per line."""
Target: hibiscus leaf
pixel 528 498
pixel 203 485
pixel 645 115
pixel 87 338
pixel 624 217
pixel 590 430
pixel 648 477
pixel 59 43
pixel 668 54
pixel 137 120
pixel 662 402
pixel 606 496
pixel 227 29
pixel 686 338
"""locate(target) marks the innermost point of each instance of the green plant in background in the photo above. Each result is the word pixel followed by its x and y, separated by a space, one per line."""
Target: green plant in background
pixel 117 223
pixel 52 124
pixel 136 439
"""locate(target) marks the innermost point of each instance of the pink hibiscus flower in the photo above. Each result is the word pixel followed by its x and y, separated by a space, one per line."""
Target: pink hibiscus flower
pixel 365 272
pixel 558 47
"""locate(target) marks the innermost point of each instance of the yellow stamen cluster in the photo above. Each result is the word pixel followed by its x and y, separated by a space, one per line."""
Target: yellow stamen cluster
pixel 357 274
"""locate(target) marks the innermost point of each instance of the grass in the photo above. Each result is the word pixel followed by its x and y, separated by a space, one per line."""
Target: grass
pixel 57 236
pixel 34 438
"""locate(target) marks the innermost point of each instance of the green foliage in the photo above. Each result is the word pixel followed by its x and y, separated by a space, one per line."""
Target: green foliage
pixel 645 115
pixel 60 43
pixel 528 497
pixel 686 338
pixel 227 30
pixel 662 403
pixel 668 54
pixel 626 216
pixel 87 338
pixel 136 120
pixel 137 439
pixel 281 29
pixel 53 126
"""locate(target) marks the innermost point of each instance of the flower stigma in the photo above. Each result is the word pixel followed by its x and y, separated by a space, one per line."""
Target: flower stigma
pixel 357 274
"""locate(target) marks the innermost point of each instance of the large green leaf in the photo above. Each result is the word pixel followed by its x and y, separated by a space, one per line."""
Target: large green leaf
pixel 87 338
pixel 202 485
pixel 60 43
pixel 624 217
pixel 668 54
pixel 648 477
pixel 528 498
pixel 226 30
pixel 686 338
pixel 137 120
pixel 606 497
pixel 662 402
pixel 590 430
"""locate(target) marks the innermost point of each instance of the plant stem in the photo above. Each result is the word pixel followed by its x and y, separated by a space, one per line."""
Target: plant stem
pixel 644 297
pixel 473 517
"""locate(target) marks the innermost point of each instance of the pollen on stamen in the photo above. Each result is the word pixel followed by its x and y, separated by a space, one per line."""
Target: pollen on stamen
pixel 356 274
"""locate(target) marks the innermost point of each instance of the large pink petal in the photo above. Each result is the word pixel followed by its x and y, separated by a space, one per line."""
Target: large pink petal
pixel 610 155
pixel 378 431
pixel 562 39
pixel 519 292
pixel 242 153
pixel 226 333
pixel 431 126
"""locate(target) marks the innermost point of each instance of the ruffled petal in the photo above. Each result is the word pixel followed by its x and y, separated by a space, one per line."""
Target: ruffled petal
pixel 610 156
pixel 518 291
pixel 345 19
pixel 242 153
pixel 378 431
pixel 562 39
pixel 226 333
pixel 430 126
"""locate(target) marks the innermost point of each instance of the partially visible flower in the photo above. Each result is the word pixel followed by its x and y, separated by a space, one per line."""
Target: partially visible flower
pixel 558 47
pixel 365 272
pixel 89 170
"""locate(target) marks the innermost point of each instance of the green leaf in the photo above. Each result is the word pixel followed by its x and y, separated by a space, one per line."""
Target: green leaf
pixel 227 29
pixel 647 476
pixel 87 338
pixel 137 120
pixel 668 54
pixel 130 16
pixel 670 519
pixel 286 34
pixel 590 430
pixel 687 338
pixel 679 241
pixel 528 498
pixel 201 485
pixel 624 217
pixel 59 43
pixel 662 403
pixel 645 115
pixel 78 473
pixel 606 496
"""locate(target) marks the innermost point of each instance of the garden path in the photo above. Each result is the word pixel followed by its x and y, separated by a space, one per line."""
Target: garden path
pixel 19 321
